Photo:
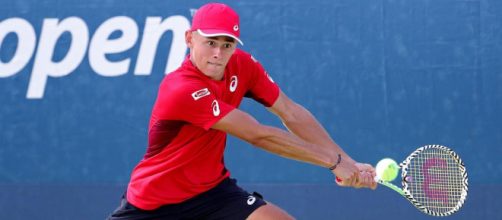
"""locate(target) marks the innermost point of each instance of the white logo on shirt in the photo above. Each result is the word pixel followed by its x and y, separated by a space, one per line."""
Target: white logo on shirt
pixel 269 77
pixel 216 108
pixel 200 93
pixel 233 83
pixel 251 200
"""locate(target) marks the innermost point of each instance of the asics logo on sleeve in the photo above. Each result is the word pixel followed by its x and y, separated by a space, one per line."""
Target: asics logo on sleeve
pixel 200 93
pixel 233 83
pixel 216 108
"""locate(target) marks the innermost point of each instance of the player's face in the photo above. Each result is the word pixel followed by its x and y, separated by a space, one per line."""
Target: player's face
pixel 210 54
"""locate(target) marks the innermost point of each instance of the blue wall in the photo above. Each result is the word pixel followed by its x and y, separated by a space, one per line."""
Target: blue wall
pixel 384 77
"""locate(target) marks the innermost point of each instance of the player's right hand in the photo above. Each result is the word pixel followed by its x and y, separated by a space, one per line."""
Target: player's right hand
pixel 367 175
pixel 347 173
pixel 362 177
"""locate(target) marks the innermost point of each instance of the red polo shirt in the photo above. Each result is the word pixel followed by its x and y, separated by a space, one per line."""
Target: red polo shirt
pixel 185 156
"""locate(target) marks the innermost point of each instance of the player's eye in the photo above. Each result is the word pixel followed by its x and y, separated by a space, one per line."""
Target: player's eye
pixel 211 43
pixel 227 45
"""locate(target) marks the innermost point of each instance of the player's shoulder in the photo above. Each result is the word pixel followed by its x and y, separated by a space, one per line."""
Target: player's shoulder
pixel 175 90
pixel 240 52
pixel 243 59
pixel 241 55
pixel 178 83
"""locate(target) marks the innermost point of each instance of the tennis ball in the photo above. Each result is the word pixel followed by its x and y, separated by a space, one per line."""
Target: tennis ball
pixel 387 169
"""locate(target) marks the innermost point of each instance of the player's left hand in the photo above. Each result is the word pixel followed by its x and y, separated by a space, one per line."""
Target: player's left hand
pixel 364 179
pixel 367 175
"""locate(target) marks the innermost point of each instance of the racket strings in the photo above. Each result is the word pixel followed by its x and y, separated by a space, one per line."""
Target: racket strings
pixel 437 181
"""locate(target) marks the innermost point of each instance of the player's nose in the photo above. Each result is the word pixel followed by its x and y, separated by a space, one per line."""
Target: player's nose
pixel 216 52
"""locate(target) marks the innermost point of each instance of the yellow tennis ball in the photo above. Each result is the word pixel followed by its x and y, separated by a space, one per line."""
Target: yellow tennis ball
pixel 387 169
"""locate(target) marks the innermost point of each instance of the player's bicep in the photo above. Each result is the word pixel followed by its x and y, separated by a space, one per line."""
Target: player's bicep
pixel 241 125
pixel 284 107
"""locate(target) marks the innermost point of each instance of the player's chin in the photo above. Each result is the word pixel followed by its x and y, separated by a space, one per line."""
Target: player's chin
pixel 214 69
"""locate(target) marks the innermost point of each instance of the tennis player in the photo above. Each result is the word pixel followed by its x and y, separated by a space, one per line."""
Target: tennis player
pixel 182 174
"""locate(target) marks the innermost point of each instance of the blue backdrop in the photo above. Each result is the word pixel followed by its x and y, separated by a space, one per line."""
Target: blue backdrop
pixel 78 80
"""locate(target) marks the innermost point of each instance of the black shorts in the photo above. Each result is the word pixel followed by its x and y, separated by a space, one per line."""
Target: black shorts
pixel 225 201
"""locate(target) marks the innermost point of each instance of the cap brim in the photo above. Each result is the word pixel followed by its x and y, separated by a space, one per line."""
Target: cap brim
pixel 216 33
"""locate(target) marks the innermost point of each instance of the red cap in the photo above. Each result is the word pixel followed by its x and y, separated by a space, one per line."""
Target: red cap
pixel 216 19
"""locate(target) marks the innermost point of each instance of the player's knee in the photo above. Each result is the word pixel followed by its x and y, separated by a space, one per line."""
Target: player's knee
pixel 270 211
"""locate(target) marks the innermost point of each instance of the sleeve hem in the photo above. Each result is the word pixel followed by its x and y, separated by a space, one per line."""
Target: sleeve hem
pixel 209 124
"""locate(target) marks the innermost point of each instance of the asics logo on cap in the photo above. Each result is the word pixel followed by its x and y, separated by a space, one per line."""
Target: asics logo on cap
pixel 216 19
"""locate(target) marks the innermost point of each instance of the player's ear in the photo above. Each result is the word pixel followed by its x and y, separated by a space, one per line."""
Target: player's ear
pixel 188 38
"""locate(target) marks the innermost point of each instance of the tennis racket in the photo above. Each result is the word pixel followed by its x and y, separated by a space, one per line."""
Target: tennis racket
pixel 434 179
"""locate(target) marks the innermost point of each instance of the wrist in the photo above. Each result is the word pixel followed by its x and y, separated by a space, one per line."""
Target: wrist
pixel 337 162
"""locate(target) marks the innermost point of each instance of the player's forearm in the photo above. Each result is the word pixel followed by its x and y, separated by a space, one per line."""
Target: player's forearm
pixel 285 144
pixel 304 125
pixel 275 140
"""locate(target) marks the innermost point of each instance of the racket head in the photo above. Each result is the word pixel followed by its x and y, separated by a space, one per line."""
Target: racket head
pixel 434 179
